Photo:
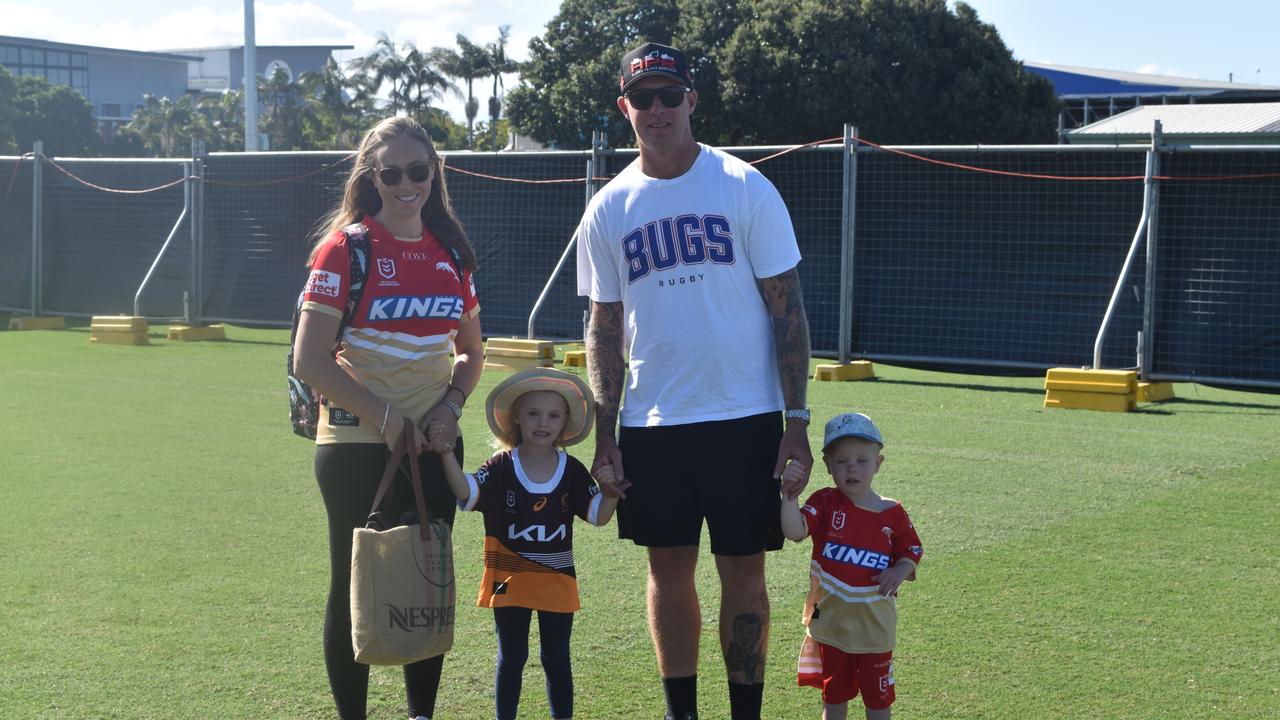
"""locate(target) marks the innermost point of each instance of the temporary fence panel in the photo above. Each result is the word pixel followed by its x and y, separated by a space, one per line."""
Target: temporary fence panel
pixel 260 213
pixel 520 211
pixel 104 222
pixel 15 239
pixel 994 258
pixel 810 183
pixel 1217 267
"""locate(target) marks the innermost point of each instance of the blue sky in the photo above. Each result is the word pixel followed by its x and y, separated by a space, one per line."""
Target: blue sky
pixel 1171 37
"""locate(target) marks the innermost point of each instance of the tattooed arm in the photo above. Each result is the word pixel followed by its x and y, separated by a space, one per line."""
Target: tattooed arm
pixel 605 366
pixel 791 342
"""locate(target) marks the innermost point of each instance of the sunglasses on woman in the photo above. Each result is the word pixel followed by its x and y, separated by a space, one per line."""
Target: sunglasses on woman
pixel 417 172
pixel 643 99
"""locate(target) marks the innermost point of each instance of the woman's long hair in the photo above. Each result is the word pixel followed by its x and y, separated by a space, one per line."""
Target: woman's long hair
pixel 361 198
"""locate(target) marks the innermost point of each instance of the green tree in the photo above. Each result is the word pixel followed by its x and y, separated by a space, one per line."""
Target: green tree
pixel 788 71
pixel 168 126
pixel 283 110
pixel 569 83
pixel 8 112
pixel 499 64
pixel 55 114
pixel 224 116
pixel 424 81
pixel 468 63
pixel 333 120
pixel 382 66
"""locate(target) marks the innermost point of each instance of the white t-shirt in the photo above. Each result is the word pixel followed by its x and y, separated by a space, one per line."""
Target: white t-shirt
pixel 683 256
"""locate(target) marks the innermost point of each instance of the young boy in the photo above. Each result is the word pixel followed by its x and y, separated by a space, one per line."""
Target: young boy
pixel 864 547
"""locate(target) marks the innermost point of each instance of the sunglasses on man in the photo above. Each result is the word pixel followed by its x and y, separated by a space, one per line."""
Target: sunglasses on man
pixel 417 172
pixel 643 99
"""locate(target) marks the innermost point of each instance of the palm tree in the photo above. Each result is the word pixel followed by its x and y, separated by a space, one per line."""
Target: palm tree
pixel 328 113
pixel 469 62
pixel 224 114
pixel 424 82
pixel 499 64
pixel 164 124
pixel 384 64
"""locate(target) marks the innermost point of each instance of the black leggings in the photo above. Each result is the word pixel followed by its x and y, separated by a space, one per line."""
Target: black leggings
pixel 513 652
pixel 348 475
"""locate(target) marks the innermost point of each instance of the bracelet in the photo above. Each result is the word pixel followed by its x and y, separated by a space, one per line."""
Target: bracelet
pixel 385 414
pixel 455 387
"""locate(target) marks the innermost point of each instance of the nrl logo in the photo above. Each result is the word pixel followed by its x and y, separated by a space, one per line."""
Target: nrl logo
pixel 386 268
pixel 837 520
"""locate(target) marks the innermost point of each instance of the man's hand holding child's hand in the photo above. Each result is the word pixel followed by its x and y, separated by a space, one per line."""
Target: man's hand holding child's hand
pixel 611 486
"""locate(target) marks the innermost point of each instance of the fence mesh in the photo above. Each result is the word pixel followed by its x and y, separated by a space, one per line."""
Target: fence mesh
pixel 969 268
pixel 98 245
pixel 1218 266
pixel 980 259
pixel 15 240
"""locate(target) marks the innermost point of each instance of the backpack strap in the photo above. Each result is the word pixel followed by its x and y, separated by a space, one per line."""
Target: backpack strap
pixel 358 250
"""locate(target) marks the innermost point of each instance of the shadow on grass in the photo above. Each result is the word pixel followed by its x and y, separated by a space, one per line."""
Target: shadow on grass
pixel 962 386
pixel 1274 407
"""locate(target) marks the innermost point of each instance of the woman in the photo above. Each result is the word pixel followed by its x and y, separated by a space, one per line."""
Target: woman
pixel 392 367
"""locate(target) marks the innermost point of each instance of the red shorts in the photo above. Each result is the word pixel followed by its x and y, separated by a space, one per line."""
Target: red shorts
pixel 845 674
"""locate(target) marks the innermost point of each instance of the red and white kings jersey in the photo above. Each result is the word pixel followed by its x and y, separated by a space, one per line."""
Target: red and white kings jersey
pixel 851 545
pixel 397 343
pixel 528 531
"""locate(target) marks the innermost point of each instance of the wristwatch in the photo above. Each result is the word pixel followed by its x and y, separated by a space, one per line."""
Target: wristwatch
pixel 801 414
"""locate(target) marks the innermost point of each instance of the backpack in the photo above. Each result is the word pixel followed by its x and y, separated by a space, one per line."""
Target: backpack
pixel 304 401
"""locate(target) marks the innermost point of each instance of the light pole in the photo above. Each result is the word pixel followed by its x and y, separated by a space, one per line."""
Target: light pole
pixel 250 81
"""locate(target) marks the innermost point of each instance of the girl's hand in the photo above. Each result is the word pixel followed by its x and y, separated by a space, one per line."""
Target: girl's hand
pixel 611 486
pixel 443 439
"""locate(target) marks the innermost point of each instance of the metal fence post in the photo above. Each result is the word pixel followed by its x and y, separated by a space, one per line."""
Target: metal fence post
pixel 848 206
pixel 195 316
pixel 1146 345
pixel 37 229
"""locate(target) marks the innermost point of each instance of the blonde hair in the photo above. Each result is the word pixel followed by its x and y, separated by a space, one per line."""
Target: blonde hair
pixel 504 443
pixel 361 198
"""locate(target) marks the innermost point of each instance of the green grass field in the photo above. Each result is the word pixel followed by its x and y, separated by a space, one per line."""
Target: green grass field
pixel 165 552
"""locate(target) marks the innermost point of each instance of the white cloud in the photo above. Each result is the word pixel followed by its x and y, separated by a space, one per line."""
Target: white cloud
pixel 290 23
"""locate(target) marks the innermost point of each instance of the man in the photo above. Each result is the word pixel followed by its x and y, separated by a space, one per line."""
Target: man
pixel 688 257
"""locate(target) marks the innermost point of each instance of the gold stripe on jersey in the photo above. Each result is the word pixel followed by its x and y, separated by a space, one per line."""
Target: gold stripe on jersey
pixel 511 580
pixel 855 619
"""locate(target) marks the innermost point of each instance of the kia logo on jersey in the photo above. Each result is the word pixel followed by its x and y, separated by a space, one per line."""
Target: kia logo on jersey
pixel 683 240
pixel 386 268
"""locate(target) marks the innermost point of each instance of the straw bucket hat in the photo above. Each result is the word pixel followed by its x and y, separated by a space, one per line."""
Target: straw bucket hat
pixel 575 392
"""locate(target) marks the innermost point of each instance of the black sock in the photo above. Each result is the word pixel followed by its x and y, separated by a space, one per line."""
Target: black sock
pixel 745 701
pixel 682 696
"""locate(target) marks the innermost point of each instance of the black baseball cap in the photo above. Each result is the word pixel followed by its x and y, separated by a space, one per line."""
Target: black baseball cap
pixel 655 60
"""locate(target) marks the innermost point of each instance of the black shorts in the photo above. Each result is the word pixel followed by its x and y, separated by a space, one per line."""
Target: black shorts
pixel 721 471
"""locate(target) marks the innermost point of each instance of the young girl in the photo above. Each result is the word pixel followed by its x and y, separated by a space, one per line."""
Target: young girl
pixel 529 492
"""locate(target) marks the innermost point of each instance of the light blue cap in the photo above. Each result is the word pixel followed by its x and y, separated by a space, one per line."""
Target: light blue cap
pixel 851 425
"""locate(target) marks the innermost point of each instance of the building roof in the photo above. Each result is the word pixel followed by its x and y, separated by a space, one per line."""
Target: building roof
pixel 51 45
pixel 1074 81
pixel 1225 119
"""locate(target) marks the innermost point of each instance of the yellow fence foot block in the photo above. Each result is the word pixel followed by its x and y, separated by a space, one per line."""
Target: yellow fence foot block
pixel 856 370
pixel 197 333
pixel 513 354
pixel 1154 392
pixel 575 358
pixel 118 330
pixel 37 323
pixel 1106 390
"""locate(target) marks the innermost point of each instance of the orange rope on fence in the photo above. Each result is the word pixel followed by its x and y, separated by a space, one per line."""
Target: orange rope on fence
pixel 992 171
pixel 14 175
pixel 88 184
pixel 560 181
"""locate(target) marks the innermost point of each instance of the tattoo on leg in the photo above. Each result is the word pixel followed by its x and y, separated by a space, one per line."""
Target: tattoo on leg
pixel 746 652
